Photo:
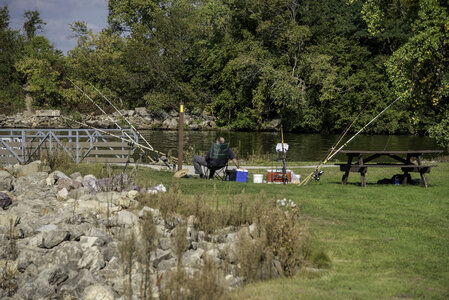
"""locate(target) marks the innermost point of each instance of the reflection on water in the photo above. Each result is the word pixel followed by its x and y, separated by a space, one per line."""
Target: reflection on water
pixel 303 147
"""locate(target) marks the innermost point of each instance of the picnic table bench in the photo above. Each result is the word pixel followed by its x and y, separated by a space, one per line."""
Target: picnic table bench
pixel 401 159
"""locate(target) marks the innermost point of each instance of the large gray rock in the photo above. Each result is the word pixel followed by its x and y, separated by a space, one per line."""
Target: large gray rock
pixel 76 286
pixel 103 238
pixel 125 217
pixel 141 111
pixel 53 238
pixel 92 259
pixel 55 176
pixel 192 258
pixel 98 292
pixel 68 253
pixel 170 123
pixel 48 113
pixel 25 170
pixel 6 181
pixel 28 256
pixel 31 183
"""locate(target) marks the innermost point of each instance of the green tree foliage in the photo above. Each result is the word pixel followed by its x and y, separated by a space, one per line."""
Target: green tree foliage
pixel 33 23
pixel 42 67
pixel 11 43
pixel 312 64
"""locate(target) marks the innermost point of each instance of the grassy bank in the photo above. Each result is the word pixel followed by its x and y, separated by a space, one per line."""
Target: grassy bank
pixel 384 241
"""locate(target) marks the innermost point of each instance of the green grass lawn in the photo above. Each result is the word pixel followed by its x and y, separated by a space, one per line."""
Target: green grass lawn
pixel 384 241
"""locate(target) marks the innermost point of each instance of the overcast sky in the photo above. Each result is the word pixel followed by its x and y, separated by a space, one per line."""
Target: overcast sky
pixel 58 14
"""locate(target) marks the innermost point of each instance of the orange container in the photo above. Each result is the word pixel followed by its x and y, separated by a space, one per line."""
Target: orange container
pixel 273 176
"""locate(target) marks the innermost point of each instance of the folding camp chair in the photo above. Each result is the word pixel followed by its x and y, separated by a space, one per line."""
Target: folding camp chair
pixel 217 151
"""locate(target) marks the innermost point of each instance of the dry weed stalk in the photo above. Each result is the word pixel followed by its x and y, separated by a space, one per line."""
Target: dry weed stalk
pixel 127 248
pixel 147 247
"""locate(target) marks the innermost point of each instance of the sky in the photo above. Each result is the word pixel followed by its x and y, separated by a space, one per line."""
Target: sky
pixel 58 14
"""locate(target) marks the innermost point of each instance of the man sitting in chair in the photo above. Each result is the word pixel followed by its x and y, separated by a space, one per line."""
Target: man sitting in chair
pixel 216 158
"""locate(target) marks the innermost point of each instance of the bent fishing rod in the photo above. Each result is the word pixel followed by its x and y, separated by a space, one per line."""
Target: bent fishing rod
pixel 121 115
pixel 354 136
pixel 317 172
pixel 108 133
pixel 130 124
pixel 118 126
pixel 131 142
pixel 96 105
pixel 363 128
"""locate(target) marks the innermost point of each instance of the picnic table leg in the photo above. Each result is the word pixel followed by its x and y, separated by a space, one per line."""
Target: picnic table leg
pixel 344 179
pixel 404 180
pixel 362 171
pixel 424 179
pixel 421 172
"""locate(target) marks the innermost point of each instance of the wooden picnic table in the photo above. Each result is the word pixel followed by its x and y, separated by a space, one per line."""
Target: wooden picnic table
pixel 401 159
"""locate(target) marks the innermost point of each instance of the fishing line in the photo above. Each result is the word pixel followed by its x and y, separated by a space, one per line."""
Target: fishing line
pixel 317 172
pixel 150 148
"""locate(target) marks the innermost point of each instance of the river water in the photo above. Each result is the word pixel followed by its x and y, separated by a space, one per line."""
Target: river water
pixel 303 147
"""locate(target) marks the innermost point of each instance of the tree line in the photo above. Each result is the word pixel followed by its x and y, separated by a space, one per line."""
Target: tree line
pixel 314 64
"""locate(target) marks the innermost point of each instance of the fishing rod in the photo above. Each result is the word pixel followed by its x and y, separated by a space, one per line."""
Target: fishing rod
pixel 108 133
pixel 348 141
pixel 131 142
pixel 317 172
pixel 120 128
pixel 93 102
pixel 121 115
pixel 284 167
pixel 358 132
pixel 132 126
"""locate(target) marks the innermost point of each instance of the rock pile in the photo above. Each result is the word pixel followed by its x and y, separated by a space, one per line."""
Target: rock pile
pixel 141 117
pixel 64 237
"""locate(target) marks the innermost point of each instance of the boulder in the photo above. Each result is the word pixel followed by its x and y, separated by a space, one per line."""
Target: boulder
pixel 67 253
pixel 91 184
pixel 103 238
pixel 25 170
pixel 160 114
pixel 75 287
pixel 48 113
pixel 31 183
pixel 63 194
pixel 76 176
pixel 141 111
pixel 192 258
pixel 98 292
pixel 6 181
pixel 53 238
pixel 170 123
pixel 55 176
pixel 127 218
pixel 92 259
pixel 65 183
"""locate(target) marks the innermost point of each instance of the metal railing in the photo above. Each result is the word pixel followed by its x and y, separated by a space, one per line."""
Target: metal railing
pixel 24 145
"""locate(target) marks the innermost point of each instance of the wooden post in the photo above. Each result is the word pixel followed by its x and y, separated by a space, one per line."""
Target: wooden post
pixel 181 135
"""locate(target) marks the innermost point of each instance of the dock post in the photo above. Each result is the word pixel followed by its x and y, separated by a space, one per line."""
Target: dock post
pixel 181 135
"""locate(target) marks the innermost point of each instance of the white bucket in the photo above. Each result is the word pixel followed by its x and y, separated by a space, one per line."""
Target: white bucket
pixel 296 178
pixel 258 178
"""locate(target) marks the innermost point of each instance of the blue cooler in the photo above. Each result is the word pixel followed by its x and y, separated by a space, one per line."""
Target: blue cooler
pixel 241 175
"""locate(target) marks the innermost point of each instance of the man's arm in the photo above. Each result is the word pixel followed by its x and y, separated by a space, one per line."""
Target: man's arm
pixel 236 163
pixel 234 160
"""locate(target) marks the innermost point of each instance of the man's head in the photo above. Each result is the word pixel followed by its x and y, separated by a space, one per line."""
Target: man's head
pixel 220 140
